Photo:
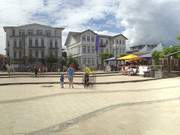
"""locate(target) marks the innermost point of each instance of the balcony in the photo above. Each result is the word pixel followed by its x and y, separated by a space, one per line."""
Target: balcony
pixel 55 48
pixel 37 47
pixel 18 47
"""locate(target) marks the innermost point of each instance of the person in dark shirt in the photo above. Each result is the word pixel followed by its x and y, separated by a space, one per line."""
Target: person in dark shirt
pixel 62 80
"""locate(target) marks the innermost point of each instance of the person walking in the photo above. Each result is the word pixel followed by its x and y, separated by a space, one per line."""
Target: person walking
pixel 87 71
pixel 35 71
pixel 70 74
pixel 62 80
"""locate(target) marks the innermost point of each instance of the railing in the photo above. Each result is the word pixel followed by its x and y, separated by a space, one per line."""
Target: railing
pixel 37 47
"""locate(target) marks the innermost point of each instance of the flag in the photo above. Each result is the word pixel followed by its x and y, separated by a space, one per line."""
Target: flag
pixel 97 43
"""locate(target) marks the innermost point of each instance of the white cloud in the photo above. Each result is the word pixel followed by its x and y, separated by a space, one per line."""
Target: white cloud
pixel 149 21
pixel 144 21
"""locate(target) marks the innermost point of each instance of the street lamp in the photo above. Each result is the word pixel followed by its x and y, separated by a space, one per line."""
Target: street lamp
pixel 115 53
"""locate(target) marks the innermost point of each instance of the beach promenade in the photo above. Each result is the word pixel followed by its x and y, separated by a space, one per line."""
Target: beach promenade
pixel 138 108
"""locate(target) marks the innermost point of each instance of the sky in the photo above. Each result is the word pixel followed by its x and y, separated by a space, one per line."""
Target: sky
pixel 141 21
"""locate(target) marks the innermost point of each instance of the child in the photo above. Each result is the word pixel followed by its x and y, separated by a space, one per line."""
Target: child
pixel 62 80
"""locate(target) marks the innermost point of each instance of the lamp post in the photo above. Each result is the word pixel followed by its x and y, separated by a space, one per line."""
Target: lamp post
pixel 115 54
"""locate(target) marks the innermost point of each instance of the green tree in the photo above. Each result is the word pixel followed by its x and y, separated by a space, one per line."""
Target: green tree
pixel 50 61
pixel 105 55
pixel 156 55
pixel 70 60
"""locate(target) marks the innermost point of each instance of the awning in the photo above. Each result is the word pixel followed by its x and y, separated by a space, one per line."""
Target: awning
pixel 130 57
pixel 111 59
pixel 148 55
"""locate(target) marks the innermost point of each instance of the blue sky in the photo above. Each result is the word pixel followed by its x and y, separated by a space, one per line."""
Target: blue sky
pixel 139 20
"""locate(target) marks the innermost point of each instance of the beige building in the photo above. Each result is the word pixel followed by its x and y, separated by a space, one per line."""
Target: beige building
pixel 83 46
pixel 32 43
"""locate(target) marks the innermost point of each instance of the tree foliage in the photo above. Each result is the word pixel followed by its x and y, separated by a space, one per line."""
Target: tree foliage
pixel 70 60
pixel 105 55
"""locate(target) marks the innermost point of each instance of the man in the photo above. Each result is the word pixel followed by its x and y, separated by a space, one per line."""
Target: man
pixel 70 74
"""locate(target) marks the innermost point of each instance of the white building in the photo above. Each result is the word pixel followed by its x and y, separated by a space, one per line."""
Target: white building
pixel 83 46
pixel 32 42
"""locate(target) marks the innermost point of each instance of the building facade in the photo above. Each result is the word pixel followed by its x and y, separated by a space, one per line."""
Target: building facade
pixel 87 46
pixel 32 43
pixel 142 48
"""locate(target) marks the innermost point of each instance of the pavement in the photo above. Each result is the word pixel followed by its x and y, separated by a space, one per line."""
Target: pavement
pixel 100 79
pixel 141 108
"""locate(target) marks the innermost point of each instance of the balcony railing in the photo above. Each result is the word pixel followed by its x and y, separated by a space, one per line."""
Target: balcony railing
pixel 53 47
pixel 37 47
pixel 17 47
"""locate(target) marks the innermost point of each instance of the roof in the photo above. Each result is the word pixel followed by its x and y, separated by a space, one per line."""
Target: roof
pixel 142 45
pixel 172 54
pixel 79 33
pixel 120 35
pixel 42 25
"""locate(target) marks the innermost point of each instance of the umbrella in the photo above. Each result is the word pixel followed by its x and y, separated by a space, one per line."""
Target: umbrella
pixel 111 59
pixel 148 55
pixel 130 57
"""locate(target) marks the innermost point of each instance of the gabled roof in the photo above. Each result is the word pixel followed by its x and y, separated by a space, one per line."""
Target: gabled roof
pixel 120 35
pixel 89 30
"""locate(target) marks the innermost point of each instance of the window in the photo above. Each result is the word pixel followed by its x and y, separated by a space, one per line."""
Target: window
pixel 14 54
pixel 13 32
pixel 116 41
pixel 92 38
pixel 84 60
pixel 20 55
pixel 84 49
pixel 56 44
pixel 119 41
pixel 83 38
pixel 42 42
pixel 20 33
pixel 30 32
pixel 36 54
pixel 8 53
pixel 30 42
pixel 51 44
pixel 101 42
pixel 123 42
pixel 106 41
pixel 15 43
pixel 88 49
pixel 39 32
pixel 7 43
pixel 36 42
pixel 48 33
pixel 89 61
pixel 93 61
pixel 42 54
pixel 88 38
pixel 93 49
pixel 20 43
